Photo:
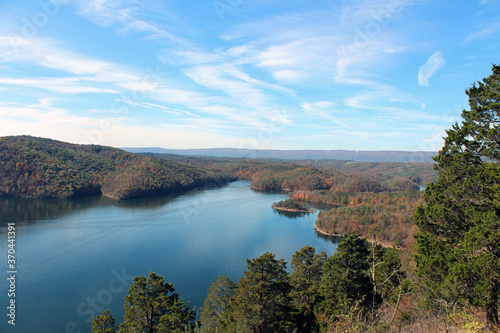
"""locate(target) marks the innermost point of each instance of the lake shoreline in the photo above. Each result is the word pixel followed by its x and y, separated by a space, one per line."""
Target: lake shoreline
pixel 366 238
pixel 294 210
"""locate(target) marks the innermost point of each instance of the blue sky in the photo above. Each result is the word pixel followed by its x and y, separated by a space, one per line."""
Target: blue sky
pixel 324 74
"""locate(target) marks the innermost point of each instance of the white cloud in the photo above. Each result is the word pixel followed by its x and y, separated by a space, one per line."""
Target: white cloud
pixel 191 57
pixel 490 31
pixel 47 53
pixel 131 16
pixel 44 120
pixel 64 85
pixel 323 109
pixel 431 67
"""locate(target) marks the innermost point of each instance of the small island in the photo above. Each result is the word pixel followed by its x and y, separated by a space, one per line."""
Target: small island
pixel 292 206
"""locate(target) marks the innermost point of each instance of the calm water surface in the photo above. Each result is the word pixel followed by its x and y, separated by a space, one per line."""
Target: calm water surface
pixel 77 257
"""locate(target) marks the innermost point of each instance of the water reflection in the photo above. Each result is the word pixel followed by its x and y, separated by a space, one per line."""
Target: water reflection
pixel 34 209
pixel 291 215
pixel 24 209
pixel 333 239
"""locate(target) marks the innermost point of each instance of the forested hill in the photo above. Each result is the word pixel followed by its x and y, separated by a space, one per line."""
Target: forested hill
pixel 37 167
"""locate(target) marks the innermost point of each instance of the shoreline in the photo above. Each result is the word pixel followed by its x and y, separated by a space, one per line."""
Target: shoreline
pixel 294 210
pixel 384 244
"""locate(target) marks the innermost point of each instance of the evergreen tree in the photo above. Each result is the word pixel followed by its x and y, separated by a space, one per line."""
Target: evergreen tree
pixel 104 323
pixel 386 272
pixel 306 277
pixel 459 240
pixel 219 295
pixel 261 301
pixel 345 284
pixel 305 281
pixel 152 306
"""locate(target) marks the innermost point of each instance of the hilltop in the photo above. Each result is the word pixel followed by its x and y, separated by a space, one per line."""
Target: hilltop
pixel 38 167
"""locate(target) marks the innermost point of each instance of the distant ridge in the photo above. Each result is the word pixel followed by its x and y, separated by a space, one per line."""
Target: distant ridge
pixel 347 155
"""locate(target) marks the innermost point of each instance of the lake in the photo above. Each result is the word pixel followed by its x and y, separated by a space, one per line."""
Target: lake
pixel 76 257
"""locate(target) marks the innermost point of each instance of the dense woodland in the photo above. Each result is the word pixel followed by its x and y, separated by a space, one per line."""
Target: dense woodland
pixel 36 167
pixel 344 176
pixel 386 217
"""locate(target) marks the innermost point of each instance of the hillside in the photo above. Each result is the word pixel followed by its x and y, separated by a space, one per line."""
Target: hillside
pixel 37 167
pixel 346 155
pixel 284 175
pixel 277 174
pixel 386 216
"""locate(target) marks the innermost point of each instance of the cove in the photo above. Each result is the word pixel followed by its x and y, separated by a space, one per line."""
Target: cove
pixel 77 257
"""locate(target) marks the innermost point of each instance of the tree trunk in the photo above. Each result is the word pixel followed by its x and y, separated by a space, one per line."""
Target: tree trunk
pixel 492 312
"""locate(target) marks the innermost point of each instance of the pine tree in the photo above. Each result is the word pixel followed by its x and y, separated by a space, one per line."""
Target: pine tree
pixel 345 284
pixel 458 246
pixel 261 303
pixel 305 281
pixel 219 295
pixel 104 323
pixel 152 306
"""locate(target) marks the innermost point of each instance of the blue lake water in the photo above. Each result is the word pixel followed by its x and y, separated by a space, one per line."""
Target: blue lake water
pixel 76 257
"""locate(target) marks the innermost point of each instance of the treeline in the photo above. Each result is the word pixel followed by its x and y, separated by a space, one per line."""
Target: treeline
pixel 291 205
pixel 283 175
pixel 346 291
pixel 386 217
pixel 415 172
pixel 358 289
pixel 36 167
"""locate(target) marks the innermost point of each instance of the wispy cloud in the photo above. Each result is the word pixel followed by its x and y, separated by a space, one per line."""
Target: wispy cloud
pixel 64 85
pixel 490 31
pixel 431 67
pixel 323 109
pixel 130 16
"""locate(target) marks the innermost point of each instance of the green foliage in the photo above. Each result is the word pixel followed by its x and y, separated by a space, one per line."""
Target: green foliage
pixel 261 302
pixel 458 245
pixel 387 272
pixel 306 277
pixel 219 295
pixel 292 205
pixel 305 281
pixel 36 167
pixel 345 283
pixel 342 293
pixel 104 323
pixel 152 306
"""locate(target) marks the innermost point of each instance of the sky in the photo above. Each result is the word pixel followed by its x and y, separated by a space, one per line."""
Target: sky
pixel 313 74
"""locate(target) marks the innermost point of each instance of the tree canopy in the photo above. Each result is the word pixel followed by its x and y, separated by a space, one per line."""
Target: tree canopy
pixel 152 306
pixel 44 168
pixel 219 296
pixel 459 240
pixel 261 301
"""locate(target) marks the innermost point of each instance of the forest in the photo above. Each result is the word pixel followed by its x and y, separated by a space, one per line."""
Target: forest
pixel 43 168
